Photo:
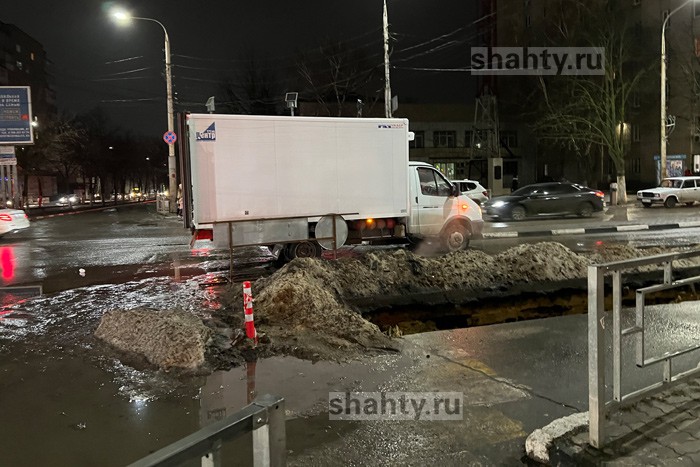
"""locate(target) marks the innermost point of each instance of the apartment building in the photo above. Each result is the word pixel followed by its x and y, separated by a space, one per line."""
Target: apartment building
pixel 23 62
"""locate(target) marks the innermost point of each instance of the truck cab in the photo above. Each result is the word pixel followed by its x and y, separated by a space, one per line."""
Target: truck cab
pixel 439 210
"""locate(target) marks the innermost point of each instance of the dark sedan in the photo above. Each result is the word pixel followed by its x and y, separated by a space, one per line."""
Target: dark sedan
pixel 560 198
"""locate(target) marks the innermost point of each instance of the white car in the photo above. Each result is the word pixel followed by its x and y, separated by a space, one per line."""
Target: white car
pixel 473 190
pixel 12 220
pixel 673 190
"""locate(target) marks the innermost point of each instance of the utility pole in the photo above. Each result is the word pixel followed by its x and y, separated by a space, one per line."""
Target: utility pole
pixel 387 83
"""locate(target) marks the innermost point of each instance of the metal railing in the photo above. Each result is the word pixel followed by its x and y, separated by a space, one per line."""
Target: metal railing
pixel 598 406
pixel 265 417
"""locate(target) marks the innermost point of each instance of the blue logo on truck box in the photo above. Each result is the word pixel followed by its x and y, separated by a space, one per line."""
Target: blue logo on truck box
pixel 207 135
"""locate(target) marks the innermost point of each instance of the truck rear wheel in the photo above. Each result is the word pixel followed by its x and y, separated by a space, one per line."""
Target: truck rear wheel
pixel 306 249
pixel 455 237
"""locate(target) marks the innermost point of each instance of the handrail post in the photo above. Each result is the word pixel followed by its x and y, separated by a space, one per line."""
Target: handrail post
pixel 596 356
pixel 270 439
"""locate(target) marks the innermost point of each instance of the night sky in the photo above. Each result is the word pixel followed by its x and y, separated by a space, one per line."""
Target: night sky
pixel 96 62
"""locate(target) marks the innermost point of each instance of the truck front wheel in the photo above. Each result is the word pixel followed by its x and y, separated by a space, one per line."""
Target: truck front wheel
pixel 455 237
pixel 306 249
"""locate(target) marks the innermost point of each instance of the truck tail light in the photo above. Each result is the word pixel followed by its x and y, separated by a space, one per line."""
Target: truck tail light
pixel 204 234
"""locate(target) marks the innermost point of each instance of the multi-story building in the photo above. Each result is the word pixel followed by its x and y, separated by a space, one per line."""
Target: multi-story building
pixel 23 62
pixel 551 22
pixel 445 137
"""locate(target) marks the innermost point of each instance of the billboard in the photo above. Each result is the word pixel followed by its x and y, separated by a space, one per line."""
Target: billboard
pixel 16 115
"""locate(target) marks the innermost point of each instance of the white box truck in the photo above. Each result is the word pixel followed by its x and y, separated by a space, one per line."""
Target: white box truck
pixel 275 178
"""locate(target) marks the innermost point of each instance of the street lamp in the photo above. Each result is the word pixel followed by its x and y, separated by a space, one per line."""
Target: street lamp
pixel 662 157
pixel 124 17
pixel 387 84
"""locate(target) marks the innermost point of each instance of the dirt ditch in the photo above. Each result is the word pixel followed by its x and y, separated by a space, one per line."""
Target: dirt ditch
pixel 399 321
pixel 340 310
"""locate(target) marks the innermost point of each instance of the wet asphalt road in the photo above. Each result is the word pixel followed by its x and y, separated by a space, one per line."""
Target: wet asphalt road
pixel 68 401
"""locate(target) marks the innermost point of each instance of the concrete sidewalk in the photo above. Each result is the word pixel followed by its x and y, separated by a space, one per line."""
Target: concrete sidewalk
pixel 515 378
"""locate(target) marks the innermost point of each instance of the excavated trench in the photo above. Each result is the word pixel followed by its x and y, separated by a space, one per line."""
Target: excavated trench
pixel 412 319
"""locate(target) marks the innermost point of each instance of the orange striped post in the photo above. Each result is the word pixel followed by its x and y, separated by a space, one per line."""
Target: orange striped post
pixel 248 309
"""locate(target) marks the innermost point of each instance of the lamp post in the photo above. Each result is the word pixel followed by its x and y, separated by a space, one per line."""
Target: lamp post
pixel 387 84
pixel 122 17
pixel 662 157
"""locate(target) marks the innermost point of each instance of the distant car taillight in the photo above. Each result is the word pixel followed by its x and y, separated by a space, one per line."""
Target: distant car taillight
pixel 485 193
pixel 5 217
pixel 600 194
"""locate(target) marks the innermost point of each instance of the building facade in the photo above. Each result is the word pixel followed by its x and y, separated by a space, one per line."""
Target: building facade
pixel 23 62
pixel 543 23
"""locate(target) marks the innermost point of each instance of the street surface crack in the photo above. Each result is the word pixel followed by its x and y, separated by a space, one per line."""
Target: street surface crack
pixel 520 387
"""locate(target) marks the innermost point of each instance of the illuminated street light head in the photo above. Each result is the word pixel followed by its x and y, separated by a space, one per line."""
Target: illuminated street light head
pixel 120 16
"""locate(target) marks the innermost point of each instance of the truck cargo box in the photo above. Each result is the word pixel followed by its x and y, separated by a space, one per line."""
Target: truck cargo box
pixel 247 167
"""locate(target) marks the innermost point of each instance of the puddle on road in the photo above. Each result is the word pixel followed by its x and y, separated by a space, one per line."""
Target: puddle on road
pixel 68 401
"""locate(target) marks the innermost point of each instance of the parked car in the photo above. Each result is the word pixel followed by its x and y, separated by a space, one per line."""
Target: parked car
pixel 67 200
pixel 473 190
pixel 556 198
pixel 12 220
pixel 671 191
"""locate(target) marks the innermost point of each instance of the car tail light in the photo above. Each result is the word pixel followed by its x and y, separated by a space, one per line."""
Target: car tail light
pixel 485 193
pixel 5 217
pixel 600 194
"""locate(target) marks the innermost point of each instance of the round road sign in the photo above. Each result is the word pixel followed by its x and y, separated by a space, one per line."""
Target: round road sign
pixel 169 137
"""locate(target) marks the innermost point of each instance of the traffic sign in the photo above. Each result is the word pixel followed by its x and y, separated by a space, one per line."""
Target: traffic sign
pixel 170 137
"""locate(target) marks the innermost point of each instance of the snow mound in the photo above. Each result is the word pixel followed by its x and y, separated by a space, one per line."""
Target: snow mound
pixel 545 261
pixel 167 339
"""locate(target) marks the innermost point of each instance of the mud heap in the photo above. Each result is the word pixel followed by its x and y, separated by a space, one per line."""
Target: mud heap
pixel 303 308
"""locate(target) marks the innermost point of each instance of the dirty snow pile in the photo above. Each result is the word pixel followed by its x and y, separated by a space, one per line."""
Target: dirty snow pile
pixel 304 307
pixel 173 339
pixel 305 310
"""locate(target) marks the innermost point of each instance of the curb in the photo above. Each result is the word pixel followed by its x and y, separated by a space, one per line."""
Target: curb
pixel 540 444
pixel 594 230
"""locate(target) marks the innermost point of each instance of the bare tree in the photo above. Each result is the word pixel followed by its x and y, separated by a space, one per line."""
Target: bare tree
pixel 592 111
pixel 253 91
pixel 336 75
